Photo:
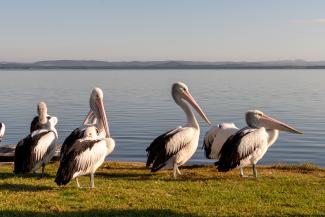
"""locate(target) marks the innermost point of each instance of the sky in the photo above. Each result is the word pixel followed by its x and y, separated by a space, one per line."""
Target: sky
pixel 127 30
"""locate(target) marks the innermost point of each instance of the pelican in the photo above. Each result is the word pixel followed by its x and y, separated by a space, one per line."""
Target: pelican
pixel 37 149
pixel 177 146
pixel 215 137
pixel 248 145
pixel 2 130
pixel 39 121
pixel 88 152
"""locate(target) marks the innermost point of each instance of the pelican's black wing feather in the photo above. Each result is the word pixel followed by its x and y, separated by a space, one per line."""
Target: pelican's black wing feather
pixel 157 151
pixel 34 125
pixel 25 159
pixel 68 164
pixel 70 140
pixel 229 157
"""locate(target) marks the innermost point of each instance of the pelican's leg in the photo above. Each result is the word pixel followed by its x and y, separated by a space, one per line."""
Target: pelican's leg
pixel 77 180
pixel 254 171
pixel 175 171
pixel 178 171
pixel 92 181
pixel 242 172
pixel 43 169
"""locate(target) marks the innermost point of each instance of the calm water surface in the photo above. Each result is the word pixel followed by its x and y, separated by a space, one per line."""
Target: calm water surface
pixel 140 107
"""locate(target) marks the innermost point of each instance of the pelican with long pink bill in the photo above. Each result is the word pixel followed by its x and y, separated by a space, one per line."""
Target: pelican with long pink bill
pixel 175 147
pixel 88 148
pixel 248 145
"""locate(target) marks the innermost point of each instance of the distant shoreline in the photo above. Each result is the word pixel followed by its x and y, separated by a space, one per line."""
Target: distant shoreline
pixel 247 68
pixel 161 65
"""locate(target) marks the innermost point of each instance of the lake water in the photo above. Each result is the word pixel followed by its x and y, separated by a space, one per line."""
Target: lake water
pixel 140 107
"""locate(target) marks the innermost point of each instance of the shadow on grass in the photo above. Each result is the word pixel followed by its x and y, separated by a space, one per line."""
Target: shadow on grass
pixel 8 175
pixel 133 176
pixel 167 176
pixel 23 187
pixel 114 212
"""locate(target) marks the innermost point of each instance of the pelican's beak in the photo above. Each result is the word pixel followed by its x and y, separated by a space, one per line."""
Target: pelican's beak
pixel 189 98
pixel 89 116
pixel 102 113
pixel 278 125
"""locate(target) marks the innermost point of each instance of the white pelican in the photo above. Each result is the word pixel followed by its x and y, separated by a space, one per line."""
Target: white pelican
pixel 248 145
pixel 39 121
pixel 88 152
pixel 37 149
pixel 177 146
pixel 215 137
pixel 2 130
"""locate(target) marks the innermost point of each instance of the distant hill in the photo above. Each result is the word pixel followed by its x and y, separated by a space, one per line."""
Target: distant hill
pixel 94 64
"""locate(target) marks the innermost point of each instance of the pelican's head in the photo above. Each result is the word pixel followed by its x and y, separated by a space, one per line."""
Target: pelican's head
pixel 257 119
pixel 42 112
pixel 180 92
pixel 90 133
pixel 97 109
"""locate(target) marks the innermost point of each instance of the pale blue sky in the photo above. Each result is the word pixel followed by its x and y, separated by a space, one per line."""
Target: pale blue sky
pixel 213 30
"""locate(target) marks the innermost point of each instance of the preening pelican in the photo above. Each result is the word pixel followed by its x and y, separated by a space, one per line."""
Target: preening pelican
pixel 37 149
pixel 2 130
pixel 39 121
pixel 215 137
pixel 248 145
pixel 88 152
pixel 177 146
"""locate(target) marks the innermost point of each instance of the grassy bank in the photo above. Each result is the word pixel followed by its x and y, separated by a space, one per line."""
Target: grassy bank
pixel 127 189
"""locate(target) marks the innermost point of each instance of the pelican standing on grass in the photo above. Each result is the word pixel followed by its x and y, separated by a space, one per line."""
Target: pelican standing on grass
pixel 248 145
pixel 2 130
pixel 37 149
pixel 215 137
pixel 89 148
pixel 177 146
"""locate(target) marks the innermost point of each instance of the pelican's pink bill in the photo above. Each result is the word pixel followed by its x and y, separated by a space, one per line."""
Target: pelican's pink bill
pixel 276 124
pixel 102 112
pixel 196 106
pixel 88 117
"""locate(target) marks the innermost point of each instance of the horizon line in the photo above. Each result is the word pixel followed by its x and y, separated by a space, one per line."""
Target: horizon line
pixel 166 60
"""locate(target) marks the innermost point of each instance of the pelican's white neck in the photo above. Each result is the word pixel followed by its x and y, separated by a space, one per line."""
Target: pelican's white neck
pixel 191 120
pixel 273 136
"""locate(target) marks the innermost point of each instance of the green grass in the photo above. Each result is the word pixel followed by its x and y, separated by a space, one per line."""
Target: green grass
pixel 128 189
